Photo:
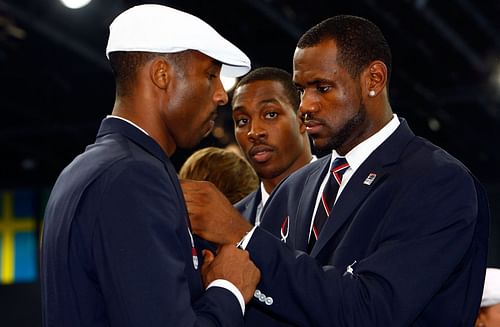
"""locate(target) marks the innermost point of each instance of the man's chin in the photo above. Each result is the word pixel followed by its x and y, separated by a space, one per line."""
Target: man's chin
pixel 191 143
pixel 321 145
pixel 206 134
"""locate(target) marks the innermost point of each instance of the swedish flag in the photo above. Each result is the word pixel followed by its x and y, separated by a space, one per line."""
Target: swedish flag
pixel 18 245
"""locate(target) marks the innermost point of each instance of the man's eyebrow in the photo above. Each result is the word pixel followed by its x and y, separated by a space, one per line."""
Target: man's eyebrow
pixel 315 82
pixel 270 100
pixel 319 81
pixel 263 101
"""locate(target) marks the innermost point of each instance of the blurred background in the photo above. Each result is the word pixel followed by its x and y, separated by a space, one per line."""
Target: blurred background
pixel 56 87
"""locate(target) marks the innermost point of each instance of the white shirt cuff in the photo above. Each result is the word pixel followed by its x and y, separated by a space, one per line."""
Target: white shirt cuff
pixel 230 287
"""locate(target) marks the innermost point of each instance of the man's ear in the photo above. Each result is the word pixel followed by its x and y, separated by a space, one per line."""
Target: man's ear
pixel 375 78
pixel 159 72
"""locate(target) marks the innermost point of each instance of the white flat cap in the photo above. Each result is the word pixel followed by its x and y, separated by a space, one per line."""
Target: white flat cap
pixel 491 291
pixel 157 28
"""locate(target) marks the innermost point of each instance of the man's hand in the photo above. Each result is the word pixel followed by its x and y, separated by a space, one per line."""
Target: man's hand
pixel 234 265
pixel 212 216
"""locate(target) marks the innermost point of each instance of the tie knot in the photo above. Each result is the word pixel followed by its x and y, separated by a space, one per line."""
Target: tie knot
pixel 339 167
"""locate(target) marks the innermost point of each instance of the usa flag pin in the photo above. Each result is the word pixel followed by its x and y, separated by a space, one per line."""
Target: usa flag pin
pixel 369 180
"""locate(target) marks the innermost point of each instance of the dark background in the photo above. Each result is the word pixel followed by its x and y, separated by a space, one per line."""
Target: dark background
pixel 56 85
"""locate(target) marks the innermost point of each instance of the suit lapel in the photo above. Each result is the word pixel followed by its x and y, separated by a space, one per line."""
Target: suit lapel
pixel 353 194
pixel 251 206
pixel 302 223
pixel 380 163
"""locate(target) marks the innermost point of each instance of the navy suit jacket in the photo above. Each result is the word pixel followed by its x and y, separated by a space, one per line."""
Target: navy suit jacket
pixel 116 250
pixel 407 249
pixel 248 205
pixel 255 315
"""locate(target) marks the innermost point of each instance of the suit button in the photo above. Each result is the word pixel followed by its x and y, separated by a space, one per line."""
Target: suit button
pixel 269 300
pixel 262 297
pixel 256 293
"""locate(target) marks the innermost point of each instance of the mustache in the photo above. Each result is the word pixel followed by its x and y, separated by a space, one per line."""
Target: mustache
pixel 309 118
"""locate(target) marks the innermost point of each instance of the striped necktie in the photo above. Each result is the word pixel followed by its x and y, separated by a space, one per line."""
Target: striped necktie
pixel 337 170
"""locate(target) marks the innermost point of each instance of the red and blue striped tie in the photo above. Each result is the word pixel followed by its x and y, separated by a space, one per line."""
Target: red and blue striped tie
pixel 337 170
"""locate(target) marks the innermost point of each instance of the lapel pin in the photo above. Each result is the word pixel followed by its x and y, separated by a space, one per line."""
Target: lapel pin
pixel 284 229
pixel 349 270
pixel 369 180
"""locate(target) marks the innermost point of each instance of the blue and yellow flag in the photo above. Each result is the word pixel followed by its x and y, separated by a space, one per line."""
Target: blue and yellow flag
pixel 18 237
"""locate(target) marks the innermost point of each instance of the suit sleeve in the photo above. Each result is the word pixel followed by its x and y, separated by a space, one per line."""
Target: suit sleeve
pixel 140 246
pixel 426 235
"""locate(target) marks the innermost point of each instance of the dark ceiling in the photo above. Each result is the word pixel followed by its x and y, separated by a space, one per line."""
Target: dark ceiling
pixel 56 85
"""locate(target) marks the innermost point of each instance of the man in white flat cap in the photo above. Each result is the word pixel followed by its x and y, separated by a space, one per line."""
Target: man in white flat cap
pixel 117 248
pixel 489 313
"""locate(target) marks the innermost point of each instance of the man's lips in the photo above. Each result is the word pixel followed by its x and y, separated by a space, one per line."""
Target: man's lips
pixel 260 153
pixel 210 124
pixel 312 126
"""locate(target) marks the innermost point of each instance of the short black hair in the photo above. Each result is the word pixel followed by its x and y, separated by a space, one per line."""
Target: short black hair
pixel 274 74
pixel 126 64
pixel 359 42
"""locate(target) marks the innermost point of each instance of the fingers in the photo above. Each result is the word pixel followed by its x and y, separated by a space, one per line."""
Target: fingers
pixel 227 248
pixel 188 188
pixel 197 194
pixel 192 186
pixel 241 271
pixel 208 256
pixel 211 214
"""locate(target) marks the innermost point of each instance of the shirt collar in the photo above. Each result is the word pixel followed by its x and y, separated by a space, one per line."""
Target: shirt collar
pixel 263 194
